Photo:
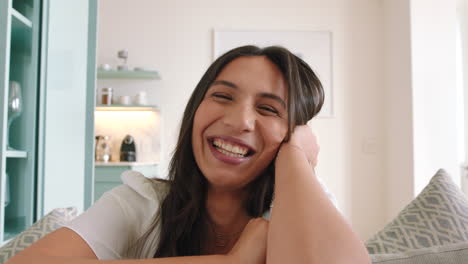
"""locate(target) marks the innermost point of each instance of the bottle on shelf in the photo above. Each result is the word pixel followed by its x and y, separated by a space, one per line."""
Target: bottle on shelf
pixel 103 149
pixel 107 96
pixel 123 54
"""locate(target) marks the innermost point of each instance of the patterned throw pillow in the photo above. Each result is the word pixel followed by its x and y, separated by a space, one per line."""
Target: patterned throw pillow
pixel 437 216
pixel 52 221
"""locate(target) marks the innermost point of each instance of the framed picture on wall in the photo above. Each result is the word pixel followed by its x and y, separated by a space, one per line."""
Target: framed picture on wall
pixel 314 47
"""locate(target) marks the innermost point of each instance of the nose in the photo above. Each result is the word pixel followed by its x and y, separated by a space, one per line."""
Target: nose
pixel 240 119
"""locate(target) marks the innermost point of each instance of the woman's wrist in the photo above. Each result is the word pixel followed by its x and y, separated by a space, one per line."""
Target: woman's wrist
pixel 287 150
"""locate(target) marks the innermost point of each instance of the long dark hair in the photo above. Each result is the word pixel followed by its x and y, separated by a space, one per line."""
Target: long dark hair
pixel 182 214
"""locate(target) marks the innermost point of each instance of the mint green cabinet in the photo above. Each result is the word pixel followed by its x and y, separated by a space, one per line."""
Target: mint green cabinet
pixel 107 176
pixel 19 62
pixel 31 33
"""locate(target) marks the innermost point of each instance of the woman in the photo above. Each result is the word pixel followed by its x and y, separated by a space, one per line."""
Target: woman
pixel 243 138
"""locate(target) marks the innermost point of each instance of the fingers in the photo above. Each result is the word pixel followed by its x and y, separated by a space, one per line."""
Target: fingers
pixel 304 138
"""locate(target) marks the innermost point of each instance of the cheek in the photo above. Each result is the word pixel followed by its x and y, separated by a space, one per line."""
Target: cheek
pixel 274 134
pixel 204 116
pixel 201 117
pixel 198 123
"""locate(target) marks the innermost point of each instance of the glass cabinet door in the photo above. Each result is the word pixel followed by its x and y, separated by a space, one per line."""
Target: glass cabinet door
pixel 19 122
pixel 47 59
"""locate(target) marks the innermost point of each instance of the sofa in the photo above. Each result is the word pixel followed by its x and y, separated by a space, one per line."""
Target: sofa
pixel 431 229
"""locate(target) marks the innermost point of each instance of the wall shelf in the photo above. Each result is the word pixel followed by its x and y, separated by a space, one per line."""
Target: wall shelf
pixel 117 107
pixel 124 164
pixel 21 19
pixel 16 154
pixel 130 74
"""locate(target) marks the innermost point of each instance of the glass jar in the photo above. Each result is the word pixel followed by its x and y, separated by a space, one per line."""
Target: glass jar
pixel 103 149
pixel 106 96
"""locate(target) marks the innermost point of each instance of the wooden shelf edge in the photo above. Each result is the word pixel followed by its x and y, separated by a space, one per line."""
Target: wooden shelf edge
pixel 16 154
pixel 124 164
pixel 24 20
pixel 115 74
pixel 127 108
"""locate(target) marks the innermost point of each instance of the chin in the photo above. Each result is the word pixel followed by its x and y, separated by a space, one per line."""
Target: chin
pixel 226 181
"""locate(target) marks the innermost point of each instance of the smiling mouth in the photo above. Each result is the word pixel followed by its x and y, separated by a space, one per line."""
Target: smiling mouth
pixel 230 149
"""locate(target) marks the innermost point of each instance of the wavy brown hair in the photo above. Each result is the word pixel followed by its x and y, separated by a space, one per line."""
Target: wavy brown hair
pixel 182 215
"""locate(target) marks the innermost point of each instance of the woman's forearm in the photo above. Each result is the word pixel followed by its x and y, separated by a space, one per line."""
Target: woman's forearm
pixel 212 259
pixel 305 226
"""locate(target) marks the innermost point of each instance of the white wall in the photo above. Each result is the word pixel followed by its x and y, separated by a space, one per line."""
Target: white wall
pixel 422 106
pixel 433 41
pixel 175 37
pixel 398 106
pixel 462 77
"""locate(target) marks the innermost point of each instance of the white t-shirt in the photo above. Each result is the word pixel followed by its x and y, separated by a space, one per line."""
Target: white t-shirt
pixel 122 215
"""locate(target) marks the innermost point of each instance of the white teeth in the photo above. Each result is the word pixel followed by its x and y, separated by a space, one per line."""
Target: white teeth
pixel 229 153
pixel 236 149
pixel 229 149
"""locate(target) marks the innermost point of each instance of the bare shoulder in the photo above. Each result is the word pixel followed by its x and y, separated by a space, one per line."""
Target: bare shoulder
pixel 62 242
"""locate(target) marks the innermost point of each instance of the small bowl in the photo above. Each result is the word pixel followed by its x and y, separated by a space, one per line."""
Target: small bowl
pixel 105 67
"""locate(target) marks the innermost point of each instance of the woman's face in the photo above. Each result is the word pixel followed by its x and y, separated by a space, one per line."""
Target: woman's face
pixel 241 122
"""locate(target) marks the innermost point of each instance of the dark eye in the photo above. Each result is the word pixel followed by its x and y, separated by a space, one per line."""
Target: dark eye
pixel 222 96
pixel 269 109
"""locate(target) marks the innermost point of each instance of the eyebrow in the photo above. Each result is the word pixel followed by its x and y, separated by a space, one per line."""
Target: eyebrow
pixel 264 95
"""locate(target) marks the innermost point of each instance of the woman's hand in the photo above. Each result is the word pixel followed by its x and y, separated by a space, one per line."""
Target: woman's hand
pixel 251 246
pixel 304 140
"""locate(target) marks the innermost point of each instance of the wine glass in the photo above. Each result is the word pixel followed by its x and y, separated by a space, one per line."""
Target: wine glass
pixel 15 105
pixel 7 191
